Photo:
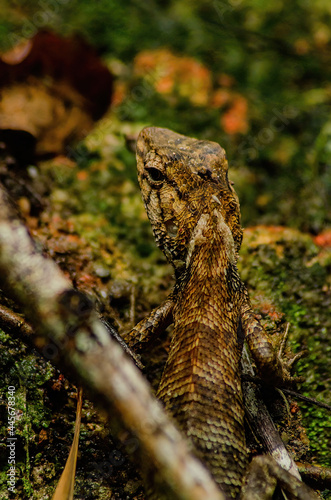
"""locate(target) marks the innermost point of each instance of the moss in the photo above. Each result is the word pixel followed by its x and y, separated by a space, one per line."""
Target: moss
pixel 284 268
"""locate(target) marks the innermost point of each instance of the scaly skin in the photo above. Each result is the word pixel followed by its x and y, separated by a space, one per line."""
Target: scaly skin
pixel 195 216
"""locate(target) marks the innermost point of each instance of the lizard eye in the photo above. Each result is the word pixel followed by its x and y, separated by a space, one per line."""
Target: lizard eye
pixel 155 174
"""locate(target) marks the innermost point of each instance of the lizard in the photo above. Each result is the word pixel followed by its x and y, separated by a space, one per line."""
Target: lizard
pixel 195 216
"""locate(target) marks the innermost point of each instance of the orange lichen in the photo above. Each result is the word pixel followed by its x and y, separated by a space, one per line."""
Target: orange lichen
pixel 234 121
pixel 82 175
pixel 323 239
pixel 170 73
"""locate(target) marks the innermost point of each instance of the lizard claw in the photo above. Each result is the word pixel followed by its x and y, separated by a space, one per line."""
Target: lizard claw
pixel 286 363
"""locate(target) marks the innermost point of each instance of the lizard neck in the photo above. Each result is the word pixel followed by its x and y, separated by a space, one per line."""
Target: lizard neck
pixel 211 270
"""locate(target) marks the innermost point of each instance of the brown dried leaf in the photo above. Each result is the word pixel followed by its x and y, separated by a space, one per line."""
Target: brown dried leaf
pixel 54 88
pixel 65 487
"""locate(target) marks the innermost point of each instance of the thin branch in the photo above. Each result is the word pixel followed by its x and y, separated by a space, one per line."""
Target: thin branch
pixel 316 476
pixel 261 421
pixel 257 380
pixel 306 399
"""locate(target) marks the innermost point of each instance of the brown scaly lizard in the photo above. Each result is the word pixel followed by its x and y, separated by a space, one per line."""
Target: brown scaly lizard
pixel 195 216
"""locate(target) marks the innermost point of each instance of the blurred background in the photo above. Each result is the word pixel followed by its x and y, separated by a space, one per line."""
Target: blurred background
pixel 251 75
pixel 78 81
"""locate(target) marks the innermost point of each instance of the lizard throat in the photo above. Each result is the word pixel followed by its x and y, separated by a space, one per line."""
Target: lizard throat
pixel 212 231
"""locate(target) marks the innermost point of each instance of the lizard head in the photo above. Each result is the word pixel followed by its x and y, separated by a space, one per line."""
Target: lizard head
pixel 184 181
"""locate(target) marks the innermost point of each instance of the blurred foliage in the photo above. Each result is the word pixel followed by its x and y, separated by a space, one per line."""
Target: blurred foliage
pixel 251 75
pixel 277 54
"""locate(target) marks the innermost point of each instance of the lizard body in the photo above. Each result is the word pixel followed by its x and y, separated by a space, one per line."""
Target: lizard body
pixel 195 216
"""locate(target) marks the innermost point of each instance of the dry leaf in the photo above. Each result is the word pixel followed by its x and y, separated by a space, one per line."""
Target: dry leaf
pixel 53 88
pixel 65 487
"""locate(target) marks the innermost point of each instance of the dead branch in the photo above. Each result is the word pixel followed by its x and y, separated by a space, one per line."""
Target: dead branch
pixel 261 422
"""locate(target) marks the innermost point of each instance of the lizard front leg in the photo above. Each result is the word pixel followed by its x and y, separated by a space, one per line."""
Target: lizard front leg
pixel 151 326
pixel 264 473
pixel 271 366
